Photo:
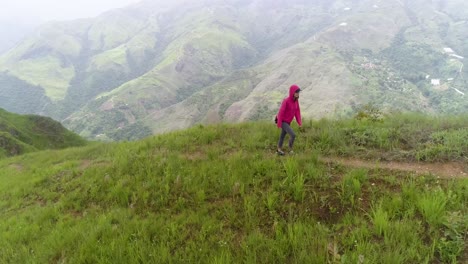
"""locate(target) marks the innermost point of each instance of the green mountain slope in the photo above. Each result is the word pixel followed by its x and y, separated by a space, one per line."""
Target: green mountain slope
pixel 156 66
pixel 220 194
pixel 22 134
pixel 18 96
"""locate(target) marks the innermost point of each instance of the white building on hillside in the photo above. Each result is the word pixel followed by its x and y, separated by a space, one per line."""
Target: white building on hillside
pixel 435 82
pixel 448 50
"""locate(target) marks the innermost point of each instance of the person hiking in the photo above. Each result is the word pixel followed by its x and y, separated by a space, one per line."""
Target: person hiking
pixel 288 111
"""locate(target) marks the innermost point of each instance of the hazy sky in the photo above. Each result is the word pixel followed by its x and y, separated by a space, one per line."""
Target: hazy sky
pixel 46 10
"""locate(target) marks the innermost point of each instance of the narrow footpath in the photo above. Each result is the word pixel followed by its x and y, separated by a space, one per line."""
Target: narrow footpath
pixel 444 170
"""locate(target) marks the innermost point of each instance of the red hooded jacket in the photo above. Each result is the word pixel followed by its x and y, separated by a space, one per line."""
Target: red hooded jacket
pixel 290 109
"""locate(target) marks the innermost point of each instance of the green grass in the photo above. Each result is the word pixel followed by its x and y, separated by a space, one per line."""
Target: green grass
pixel 219 194
pixel 402 137
pixel 108 59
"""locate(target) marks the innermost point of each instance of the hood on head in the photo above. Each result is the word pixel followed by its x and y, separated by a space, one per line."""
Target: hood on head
pixel 293 89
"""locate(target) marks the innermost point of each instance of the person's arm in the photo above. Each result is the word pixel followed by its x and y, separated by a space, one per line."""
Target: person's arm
pixel 281 113
pixel 298 115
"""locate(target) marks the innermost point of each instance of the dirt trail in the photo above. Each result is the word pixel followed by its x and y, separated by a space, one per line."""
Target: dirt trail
pixel 15 166
pixel 445 170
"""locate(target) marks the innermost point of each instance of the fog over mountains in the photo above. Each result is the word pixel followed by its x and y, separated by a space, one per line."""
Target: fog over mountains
pixel 12 32
pixel 155 66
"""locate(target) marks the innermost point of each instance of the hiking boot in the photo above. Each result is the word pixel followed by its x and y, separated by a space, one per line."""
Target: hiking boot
pixel 280 152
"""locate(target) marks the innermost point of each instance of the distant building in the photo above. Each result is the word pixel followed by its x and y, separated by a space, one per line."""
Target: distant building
pixel 448 50
pixel 435 82
pixel 368 66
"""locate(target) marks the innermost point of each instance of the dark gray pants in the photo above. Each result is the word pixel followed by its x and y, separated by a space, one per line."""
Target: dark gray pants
pixel 286 129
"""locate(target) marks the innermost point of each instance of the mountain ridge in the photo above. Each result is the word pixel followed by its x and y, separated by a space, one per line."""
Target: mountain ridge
pixel 23 134
pixel 146 68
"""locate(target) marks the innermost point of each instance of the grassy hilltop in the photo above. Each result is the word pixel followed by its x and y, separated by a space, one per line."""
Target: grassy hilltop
pixel 219 194
pixel 21 134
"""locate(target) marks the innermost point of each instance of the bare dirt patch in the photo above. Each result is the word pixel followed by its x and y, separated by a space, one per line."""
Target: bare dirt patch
pixel 85 164
pixel 17 167
pixel 194 156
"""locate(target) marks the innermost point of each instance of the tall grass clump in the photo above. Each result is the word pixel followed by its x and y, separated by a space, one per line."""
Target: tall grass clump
pixel 351 186
pixel 431 204
pixel 294 180
pixel 453 239
pixel 380 219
